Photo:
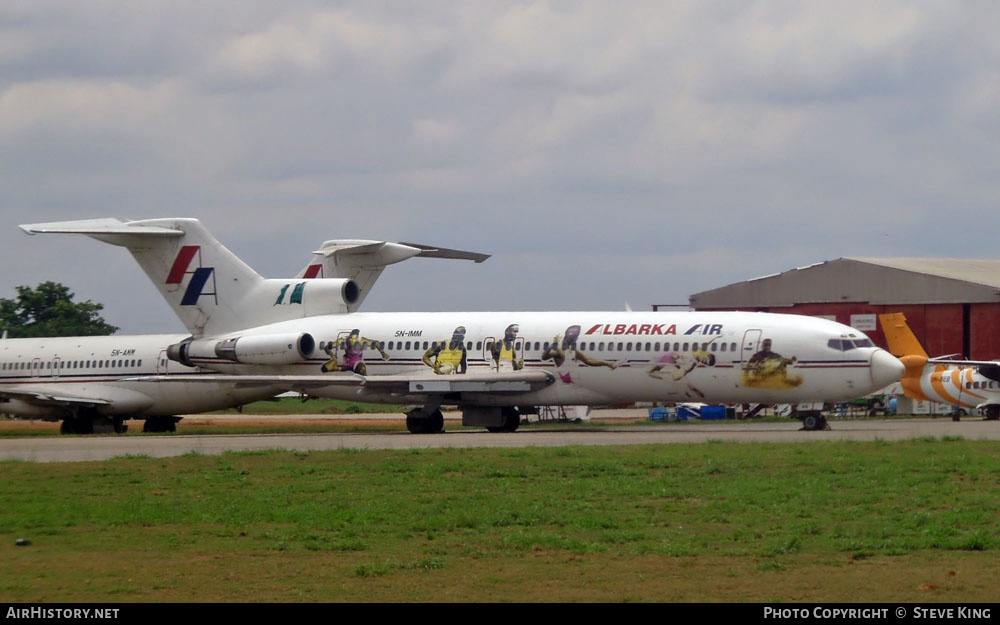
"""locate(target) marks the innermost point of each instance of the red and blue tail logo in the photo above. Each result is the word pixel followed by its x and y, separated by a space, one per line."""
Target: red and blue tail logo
pixel 199 275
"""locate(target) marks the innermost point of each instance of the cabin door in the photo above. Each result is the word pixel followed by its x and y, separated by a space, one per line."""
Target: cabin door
pixel 506 358
pixel 751 344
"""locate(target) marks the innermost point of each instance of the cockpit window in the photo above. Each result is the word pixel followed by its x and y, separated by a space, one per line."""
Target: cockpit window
pixel 844 345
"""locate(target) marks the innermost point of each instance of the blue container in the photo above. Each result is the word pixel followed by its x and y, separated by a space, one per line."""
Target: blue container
pixel 713 412
pixel 658 413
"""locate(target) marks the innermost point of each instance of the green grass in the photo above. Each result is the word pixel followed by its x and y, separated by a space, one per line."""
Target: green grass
pixel 824 521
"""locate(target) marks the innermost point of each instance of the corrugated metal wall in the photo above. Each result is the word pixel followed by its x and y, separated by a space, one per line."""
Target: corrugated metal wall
pixel 949 314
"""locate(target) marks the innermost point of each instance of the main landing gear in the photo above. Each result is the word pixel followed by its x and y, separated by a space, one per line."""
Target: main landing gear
pixel 424 421
pixel 160 424
pixel 511 421
pixel 89 422
pixel 429 420
pixel 812 421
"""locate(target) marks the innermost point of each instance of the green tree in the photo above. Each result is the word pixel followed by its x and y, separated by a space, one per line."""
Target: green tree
pixel 49 310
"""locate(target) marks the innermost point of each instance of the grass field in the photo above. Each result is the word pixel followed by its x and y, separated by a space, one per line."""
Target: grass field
pixel 823 521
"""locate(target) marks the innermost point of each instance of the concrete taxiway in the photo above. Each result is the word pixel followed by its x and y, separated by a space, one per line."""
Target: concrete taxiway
pixel 82 448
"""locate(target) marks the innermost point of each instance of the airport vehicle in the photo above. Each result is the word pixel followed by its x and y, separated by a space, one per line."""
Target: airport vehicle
pixel 95 383
pixel 965 384
pixel 304 335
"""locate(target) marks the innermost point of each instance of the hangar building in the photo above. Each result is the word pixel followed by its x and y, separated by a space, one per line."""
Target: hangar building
pixel 952 305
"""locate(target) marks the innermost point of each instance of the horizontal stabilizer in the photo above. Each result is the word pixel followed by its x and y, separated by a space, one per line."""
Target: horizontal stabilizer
pixel 362 261
pixel 443 252
pixel 394 252
pixel 99 227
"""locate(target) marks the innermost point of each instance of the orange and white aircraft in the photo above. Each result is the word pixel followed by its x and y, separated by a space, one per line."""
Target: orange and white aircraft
pixel 304 335
pixel 966 384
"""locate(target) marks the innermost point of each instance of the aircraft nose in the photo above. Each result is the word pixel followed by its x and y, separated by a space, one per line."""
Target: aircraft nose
pixel 885 369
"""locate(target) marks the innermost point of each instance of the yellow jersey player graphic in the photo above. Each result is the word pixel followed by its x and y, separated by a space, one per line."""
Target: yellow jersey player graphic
pixel 564 354
pixel 449 357
pixel 354 346
pixel 766 369
pixel 504 353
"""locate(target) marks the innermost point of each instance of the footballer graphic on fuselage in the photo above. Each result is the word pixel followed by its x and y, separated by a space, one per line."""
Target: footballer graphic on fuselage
pixel 504 353
pixel 353 346
pixel 441 358
pixel 448 357
pixel 766 369
pixel 567 355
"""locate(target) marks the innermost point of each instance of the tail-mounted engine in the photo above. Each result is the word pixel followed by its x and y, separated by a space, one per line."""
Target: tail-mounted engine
pixel 264 349
pixel 309 296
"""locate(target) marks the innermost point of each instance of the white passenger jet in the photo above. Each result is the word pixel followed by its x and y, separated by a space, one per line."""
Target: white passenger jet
pixel 302 335
pixel 96 383
pixel 965 384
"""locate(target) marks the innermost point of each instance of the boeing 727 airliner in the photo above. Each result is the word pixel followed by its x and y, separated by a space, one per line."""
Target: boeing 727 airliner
pixel 303 335
pixel 95 383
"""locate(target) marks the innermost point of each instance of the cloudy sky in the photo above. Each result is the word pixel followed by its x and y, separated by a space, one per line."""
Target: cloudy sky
pixel 602 152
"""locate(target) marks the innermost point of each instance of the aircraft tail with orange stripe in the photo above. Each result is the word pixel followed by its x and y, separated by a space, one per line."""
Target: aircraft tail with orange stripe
pixel 903 344
pixel 902 341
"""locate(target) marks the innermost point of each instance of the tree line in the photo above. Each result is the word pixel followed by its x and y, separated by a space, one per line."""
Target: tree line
pixel 49 310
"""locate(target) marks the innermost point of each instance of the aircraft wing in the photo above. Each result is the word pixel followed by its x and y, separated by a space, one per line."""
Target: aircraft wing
pixel 89 395
pixel 53 395
pixel 402 384
pixel 966 363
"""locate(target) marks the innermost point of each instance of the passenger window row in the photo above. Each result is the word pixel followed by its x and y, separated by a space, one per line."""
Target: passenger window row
pixel 61 365
pixel 593 346
pixel 985 385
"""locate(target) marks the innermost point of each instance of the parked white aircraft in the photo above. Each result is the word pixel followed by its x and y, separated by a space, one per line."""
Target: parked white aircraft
pixel 302 335
pixel 966 384
pixel 95 383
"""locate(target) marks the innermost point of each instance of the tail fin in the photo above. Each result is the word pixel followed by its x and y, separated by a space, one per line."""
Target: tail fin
pixel 905 345
pixel 209 288
pixel 902 341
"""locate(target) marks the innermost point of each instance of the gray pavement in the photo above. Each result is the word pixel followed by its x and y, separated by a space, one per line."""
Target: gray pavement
pixel 81 448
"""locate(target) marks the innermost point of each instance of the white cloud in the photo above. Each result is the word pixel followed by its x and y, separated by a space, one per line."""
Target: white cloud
pixel 87 104
pixel 647 139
